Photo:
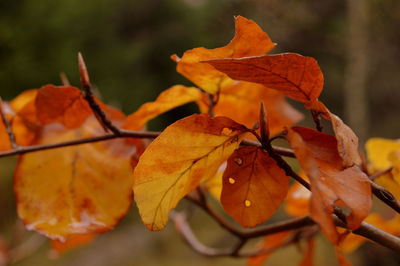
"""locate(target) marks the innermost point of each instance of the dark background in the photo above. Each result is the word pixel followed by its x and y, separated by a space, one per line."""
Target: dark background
pixel 127 44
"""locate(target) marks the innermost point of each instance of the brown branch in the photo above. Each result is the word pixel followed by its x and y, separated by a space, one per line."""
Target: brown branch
pixel 317 120
pixel 88 95
pixel 384 195
pixel 7 125
pixel 378 174
pixel 123 134
pixel 211 104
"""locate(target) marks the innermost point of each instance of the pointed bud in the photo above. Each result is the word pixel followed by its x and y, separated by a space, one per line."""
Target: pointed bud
pixel 64 79
pixel 85 81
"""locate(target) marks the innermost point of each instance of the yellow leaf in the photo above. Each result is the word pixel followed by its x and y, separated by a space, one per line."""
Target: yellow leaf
pixel 378 150
pixel 74 190
pixel 173 97
pixel 185 154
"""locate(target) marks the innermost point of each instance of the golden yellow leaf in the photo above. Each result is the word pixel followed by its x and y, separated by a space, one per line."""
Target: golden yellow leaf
pixel 171 98
pixel 185 154
pixel 249 40
pixel 77 189
pixel 378 150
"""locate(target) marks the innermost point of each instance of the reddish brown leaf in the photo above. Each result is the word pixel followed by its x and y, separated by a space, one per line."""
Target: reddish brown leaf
pixel 268 245
pixel 347 141
pixel 298 199
pixel 249 40
pixel 253 186
pixel 296 76
pixel 63 104
pixel 241 102
pixel 331 184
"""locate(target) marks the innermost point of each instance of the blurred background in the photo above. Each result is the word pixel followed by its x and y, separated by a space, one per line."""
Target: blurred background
pixel 127 44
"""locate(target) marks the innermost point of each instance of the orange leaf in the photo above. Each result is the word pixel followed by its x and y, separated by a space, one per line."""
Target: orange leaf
pixel 63 104
pixel 77 189
pixel 186 153
pixel 241 102
pixel 342 261
pixel 298 199
pixel 173 97
pixel 4 139
pixel 296 76
pixel 269 244
pixel 248 33
pixel 72 242
pixel 253 186
pixel 308 255
pixel 378 150
pixel 331 185
pixel 347 141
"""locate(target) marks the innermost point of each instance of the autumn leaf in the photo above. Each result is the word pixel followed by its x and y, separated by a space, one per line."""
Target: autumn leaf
pixel 74 190
pixel 298 199
pixel 270 243
pixel 214 184
pixel 249 40
pixel 171 98
pixel 72 242
pixel 378 150
pixel 63 104
pixel 241 102
pixel 307 260
pixel 332 186
pixel 298 77
pixel 346 139
pixel 4 139
pixel 253 186
pixel 186 153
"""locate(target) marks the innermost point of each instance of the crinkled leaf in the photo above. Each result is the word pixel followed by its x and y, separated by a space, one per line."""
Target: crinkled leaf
pixel 253 186
pixel 171 98
pixel 185 154
pixel 347 141
pixel 296 76
pixel 331 184
pixel 249 40
pixel 77 189
pixel 241 102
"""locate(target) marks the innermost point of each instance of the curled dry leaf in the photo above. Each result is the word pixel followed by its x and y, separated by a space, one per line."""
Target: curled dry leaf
pixel 241 102
pixel 332 186
pixel 248 33
pixel 298 77
pixel 171 98
pixel 186 153
pixel 253 186
pixel 77 189
pixel 347 141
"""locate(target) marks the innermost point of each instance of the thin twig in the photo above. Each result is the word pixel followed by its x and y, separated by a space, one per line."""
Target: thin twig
pixel 378 174
pixel 88 95
pixel 317 120
pixel 211 104
pixel 7 125
pixel 384 195
pixel 27 248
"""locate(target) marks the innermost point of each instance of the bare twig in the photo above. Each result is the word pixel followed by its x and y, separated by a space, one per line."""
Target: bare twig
pixel 211 104
pixel 27 248
pixel 7 125
pixel 64 79
pixel 384 195
pixel 88 95
pixel 378 174
pixel 317 120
